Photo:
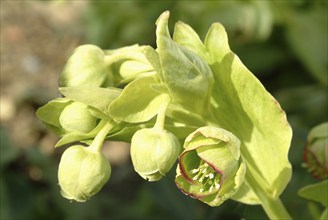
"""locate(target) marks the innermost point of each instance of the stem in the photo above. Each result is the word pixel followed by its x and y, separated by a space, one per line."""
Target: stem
pixel 97 143
pixel 274 208
pixel 160 120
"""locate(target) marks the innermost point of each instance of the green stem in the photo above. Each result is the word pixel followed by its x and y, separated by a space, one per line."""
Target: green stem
pixel 97 143
pixel 160 120
pixel 274 208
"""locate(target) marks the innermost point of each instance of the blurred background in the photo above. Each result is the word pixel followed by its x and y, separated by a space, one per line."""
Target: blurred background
pixel 284 43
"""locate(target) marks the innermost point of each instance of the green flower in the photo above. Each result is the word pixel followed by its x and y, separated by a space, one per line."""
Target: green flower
pixel 210 167
pixel 316 151
pixel 82 173
pixel 76 117
pixel 154 152
pixel 85 67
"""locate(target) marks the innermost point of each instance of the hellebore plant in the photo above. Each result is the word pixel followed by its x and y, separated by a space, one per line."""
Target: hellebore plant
pixel 186 92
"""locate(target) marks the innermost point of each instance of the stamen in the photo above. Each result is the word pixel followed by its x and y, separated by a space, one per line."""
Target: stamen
pixel 194 171
pixel 205 175
pixel 204 170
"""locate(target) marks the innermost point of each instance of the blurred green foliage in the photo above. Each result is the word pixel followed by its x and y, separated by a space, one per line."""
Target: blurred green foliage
pixel 284 43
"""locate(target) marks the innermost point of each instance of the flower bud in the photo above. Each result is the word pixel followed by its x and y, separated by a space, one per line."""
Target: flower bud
pixel 316 151
pixel 210 167
pixel 129 63
pixel 133 69
pixel 76 118
pixel 154 152
pixel 82 173
pixel 86 67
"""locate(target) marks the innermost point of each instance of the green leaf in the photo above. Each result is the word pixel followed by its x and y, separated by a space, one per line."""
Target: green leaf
pixel 50 113
pixel 99 98
pixel 316 192
pixel 242 106
pixel 138 101
pixel 186 75
pixel 186 36
pixel 74 136
pixel 153 58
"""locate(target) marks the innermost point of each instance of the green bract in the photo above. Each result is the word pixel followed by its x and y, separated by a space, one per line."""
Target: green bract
pixel 186 75
pixel 76 117
pixel 154 152
pixel 240 104
pixel 82 173
pixel 316 151
pixel 210 167
pixel 85 67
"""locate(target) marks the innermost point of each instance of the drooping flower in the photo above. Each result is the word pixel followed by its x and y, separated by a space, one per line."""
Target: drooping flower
pixel 82 173
pixel 154 152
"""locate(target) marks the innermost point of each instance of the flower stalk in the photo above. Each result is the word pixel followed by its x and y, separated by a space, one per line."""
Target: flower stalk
pixel 274 208
pixel 97 143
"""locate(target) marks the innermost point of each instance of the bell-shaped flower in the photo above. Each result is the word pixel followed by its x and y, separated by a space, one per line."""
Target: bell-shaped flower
pixel 82 173
pixel 76 117
pixel 210 168
pixel 85 67
pixel 153 152
pixel 316 151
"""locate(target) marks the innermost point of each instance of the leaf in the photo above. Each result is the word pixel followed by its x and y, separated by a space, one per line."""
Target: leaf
pixel 74 137
pixel 316 192
pixel 99 98
pixel 186 75
pixel 50 112
pixel 138 101
pixel 242 106
pixel 186 36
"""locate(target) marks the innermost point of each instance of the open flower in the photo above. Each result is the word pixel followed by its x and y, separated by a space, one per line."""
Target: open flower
pixel 82 173
pixel 154 152
pixel 210 167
